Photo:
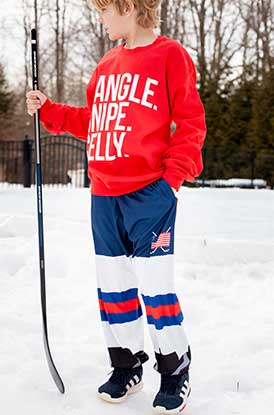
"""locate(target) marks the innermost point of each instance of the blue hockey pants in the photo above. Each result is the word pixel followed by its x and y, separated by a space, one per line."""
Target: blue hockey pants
pixel 133 238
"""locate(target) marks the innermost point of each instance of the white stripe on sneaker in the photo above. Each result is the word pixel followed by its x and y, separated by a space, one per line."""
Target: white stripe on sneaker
pixel 136 378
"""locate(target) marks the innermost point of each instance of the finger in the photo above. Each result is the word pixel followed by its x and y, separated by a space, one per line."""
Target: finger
pixel 30 112
pixel 33 105
pixel 33 108
pixel 34 94
pixel 33 101
pixel 35 97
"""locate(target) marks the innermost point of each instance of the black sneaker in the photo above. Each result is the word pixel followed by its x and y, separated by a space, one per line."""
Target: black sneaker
pixel 121 383
pixel 173 394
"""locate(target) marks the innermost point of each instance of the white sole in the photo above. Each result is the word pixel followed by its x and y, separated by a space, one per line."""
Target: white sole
pixel 178 410
pixel 107 398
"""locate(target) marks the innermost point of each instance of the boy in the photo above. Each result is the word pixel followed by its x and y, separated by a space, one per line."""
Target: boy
pixel 136 166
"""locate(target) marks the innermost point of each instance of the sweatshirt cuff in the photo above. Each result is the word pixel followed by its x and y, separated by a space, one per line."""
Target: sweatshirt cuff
pixel 45 109
pixel 173 180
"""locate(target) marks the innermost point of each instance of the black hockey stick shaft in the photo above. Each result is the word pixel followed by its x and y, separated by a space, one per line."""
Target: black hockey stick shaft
pixel 55 375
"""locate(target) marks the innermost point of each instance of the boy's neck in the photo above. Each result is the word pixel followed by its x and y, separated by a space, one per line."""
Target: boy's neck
pixel 139 38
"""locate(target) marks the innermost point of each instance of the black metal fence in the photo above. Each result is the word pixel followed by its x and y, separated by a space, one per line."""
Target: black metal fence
pixel 255 166
pixel 63 161
pixel 11 162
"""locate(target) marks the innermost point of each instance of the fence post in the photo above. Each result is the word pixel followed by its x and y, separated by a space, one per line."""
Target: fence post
pixel 86 179
pixel 204 166
pixel 252 160
pixel 27 161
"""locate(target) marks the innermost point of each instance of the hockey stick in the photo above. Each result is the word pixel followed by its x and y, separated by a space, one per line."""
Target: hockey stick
pixel 55 375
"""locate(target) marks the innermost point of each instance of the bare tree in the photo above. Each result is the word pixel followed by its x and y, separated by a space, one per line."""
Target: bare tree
pixel 60 48
pixel 173 18
pixel 258 18
pixel 216 26
pixel 164 15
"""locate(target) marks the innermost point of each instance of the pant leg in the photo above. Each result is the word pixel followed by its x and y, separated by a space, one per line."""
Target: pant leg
pixel 120 307
pixel 149 216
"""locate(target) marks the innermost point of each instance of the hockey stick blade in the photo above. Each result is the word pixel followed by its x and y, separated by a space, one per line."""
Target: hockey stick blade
pixel 54 373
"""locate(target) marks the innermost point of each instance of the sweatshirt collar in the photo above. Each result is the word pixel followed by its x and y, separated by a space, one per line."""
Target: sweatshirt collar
pixel 137 49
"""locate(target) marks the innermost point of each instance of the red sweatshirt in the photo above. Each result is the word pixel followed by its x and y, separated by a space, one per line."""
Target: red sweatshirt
pixel 132 98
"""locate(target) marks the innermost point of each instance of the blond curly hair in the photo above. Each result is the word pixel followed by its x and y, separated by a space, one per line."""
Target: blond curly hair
pixel 148 15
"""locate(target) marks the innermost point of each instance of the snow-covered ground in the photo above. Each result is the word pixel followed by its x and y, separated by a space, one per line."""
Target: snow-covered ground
pixel 225 279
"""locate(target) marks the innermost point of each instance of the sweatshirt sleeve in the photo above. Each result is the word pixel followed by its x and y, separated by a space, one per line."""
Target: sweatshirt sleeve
pixel 183 159
pixel 60 118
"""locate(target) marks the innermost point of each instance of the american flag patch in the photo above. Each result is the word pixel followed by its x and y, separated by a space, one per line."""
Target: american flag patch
pixel 162 240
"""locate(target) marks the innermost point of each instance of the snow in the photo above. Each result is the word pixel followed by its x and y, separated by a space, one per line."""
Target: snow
pixel 224 262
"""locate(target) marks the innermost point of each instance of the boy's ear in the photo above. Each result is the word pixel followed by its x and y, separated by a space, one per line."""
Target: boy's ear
pixel 129 7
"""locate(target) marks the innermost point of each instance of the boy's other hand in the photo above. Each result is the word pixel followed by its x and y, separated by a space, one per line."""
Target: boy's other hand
pixel 35 100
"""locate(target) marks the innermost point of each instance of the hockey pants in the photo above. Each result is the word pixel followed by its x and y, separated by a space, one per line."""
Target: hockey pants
pixel 133 238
